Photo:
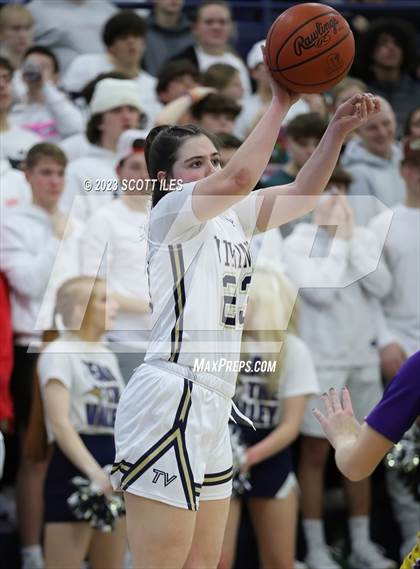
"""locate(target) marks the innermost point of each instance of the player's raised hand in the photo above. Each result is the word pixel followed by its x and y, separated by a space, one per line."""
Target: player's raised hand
pixel 354 112
pixel 282 94
pixel 339 422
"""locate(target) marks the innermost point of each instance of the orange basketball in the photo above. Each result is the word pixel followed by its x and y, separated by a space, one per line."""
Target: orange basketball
pixel 310 48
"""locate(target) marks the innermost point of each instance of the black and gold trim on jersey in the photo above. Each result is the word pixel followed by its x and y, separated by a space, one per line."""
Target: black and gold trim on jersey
pixel 178 273
pixel 216 478
pixel 174 438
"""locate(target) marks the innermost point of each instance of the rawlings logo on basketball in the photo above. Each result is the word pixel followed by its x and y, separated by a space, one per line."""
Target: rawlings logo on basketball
pixel 319 37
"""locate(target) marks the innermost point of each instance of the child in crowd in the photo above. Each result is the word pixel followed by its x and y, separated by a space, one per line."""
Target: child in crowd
pixel 275 401
pixel 327 259
pixel 80 386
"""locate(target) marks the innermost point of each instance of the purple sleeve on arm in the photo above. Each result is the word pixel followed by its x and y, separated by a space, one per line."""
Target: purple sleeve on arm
pixel 400 404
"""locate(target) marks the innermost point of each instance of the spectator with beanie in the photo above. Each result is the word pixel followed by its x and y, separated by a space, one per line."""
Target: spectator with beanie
pixel 386 60
pixel 115 107
pixel 34 240
pixel 373 159
pixel 168 32
pixel 399 311
pixel 16 29
pixel 118 228
pixel 15 141
pixel 124 38
pixel 43 108
pixel 212 31
pixel 70 27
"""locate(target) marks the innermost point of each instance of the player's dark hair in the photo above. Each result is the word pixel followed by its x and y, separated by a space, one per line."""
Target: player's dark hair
pixel 42 50
pixel 124 23
pixel 161 151
pixel 307 125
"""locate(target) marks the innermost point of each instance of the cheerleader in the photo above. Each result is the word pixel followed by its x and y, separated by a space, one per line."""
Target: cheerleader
pixel 80 387
pixel 274 400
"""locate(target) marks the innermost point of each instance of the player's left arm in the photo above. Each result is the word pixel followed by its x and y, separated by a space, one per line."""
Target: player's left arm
pixel 284 203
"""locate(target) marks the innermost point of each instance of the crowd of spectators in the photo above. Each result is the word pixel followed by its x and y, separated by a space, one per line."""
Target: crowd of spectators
pixel 80 88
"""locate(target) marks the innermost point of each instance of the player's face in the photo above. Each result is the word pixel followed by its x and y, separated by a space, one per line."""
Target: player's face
pixel 47 182
pixel 378 134
pixel 197 159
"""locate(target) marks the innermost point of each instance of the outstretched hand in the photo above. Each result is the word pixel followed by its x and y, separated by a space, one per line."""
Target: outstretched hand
pixel 339 422
pixel 284 96
pixel 355 111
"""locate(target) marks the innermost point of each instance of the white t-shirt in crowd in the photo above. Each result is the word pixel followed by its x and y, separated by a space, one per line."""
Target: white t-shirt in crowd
pixel 91 374
pixel 297 377
pixel 400 308
pixel 120 231
pixel 75 146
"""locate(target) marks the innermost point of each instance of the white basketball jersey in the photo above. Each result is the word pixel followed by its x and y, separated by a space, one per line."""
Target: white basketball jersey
pixel 199 273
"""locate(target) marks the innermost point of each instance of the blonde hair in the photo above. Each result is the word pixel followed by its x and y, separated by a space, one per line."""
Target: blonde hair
pixel 345 84
pixel 274 314
pixel 14 10
pixel 75 292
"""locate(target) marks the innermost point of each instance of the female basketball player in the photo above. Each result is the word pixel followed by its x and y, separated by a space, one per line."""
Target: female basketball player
pixel 172 439
pixel 275 403
pixel 80 385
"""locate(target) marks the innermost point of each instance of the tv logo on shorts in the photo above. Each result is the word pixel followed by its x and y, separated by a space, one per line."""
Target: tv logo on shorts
pixel 166 478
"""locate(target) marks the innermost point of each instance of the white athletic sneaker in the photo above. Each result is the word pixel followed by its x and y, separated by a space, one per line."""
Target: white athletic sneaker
pixel 321 558
pixel 370 556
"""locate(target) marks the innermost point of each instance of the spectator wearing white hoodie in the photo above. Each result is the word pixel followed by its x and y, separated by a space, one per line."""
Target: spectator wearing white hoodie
pixel 373 160
pixel 115 107
pixel 42 107
pixel 119 229
pixel 33 240
pixel 327 259
pixel 399 310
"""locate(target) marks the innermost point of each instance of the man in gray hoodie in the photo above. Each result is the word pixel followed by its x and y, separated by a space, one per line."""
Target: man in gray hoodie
pixel 373 160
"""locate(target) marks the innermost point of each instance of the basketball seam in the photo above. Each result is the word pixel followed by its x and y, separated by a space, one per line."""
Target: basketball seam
pixel 321 82
pixel 303 25
pixel 313 57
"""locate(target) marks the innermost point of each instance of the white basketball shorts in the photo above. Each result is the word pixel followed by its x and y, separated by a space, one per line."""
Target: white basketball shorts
pixel 172 440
